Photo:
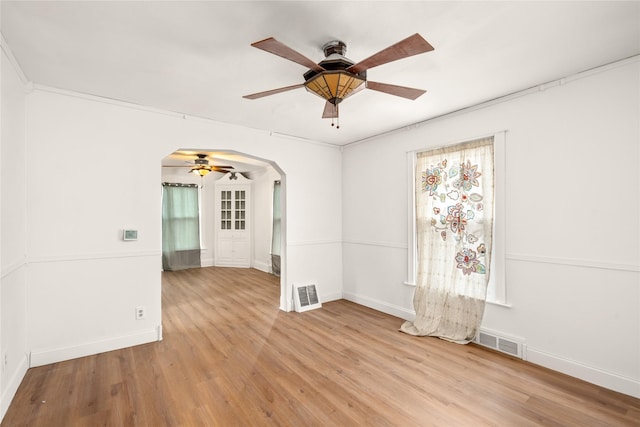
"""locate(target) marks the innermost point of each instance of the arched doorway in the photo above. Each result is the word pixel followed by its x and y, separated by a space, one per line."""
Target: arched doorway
pixel 260 174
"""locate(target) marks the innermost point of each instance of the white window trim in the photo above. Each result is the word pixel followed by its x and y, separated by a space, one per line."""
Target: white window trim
pixel 498 272
pixel 412 261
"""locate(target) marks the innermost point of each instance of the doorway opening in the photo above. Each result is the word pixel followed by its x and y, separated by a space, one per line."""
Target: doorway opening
pixel 253 180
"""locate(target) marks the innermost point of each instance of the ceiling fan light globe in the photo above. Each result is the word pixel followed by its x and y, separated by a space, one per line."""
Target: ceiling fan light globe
pixel 333 86
pixel 201 172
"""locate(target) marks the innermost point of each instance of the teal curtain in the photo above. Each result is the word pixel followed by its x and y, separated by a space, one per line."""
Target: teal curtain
pixel 180 226
pixel 276 236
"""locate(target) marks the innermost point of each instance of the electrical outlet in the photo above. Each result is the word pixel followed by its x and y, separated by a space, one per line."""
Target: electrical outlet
pixel 5 361
pixel 141 312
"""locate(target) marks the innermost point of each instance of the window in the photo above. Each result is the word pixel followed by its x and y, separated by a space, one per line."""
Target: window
pixel 276 234
pixel 180 226
pixel 496 291
pixel 233 210
pixel 241 209
pixel 225 210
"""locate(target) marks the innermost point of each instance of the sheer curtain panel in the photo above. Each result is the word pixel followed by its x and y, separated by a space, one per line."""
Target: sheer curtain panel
pixel 454 223
pixel 180 226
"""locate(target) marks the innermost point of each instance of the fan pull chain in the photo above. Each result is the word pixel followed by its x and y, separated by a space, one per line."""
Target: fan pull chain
pixel 337 122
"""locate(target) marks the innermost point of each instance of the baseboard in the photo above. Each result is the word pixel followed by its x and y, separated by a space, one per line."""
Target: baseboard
pixel 207 262
pixel 332 297
pixel 382 306
pixel 596 376
pixel 12 386
pixel 262 266
pixel 45 357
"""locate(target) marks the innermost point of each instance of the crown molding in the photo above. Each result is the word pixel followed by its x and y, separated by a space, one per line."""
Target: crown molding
pixel 14 63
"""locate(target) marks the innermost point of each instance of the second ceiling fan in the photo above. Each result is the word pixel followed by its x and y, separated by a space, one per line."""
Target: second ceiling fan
pixel 337 77
pixel 200 165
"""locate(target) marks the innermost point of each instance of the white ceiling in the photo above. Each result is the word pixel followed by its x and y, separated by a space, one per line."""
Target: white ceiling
pixel 195 58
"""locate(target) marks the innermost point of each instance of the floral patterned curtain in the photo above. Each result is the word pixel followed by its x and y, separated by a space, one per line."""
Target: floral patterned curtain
pixel 454 223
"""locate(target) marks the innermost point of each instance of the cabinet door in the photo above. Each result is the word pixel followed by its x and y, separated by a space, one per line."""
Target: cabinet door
pixel 233 234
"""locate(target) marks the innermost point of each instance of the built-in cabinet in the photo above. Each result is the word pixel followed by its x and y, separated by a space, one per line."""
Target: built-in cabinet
pixel 233 224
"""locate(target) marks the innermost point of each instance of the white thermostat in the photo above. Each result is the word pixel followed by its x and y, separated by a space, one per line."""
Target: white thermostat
pixel 130 235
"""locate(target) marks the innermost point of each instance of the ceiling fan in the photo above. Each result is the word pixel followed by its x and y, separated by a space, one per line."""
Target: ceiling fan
pixel 337 77
pixel 201 167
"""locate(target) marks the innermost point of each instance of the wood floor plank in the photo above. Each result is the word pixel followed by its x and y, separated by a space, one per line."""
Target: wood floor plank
pixel 230 357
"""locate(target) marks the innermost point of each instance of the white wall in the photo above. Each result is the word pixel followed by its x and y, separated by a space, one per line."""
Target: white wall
pixel 13 287
pixel 572 226
pixel 104 176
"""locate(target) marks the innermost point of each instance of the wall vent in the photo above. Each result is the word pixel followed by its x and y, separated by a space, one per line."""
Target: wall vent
pixel 511 346
pixel 487 340
pixel 305 297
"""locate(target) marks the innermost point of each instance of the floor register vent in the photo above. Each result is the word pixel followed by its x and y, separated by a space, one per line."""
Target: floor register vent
pixel 511 346
pixel 305 297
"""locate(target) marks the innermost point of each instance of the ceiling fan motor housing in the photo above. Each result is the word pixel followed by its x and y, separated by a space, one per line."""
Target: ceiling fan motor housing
pixel 335 64
pixel 334 46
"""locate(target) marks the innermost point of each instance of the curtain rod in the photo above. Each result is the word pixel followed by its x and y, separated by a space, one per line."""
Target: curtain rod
pixel 177 184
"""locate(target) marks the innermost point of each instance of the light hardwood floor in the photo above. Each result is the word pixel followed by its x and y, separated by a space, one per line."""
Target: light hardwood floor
pixel 230 358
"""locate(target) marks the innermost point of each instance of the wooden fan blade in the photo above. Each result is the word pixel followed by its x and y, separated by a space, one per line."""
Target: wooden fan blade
pixel 272 45
pixel 403 91
pixel 272 91
pixel 410 46
pixel 330 111
pixel 192 166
